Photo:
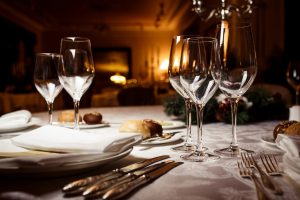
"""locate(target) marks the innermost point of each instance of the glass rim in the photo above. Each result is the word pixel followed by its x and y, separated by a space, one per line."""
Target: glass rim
pixel 49 54
pixel 75 39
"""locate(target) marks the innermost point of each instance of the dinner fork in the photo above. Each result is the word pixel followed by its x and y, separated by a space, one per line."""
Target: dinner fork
pixel 245 172
pixel 250 162
pixel 271 165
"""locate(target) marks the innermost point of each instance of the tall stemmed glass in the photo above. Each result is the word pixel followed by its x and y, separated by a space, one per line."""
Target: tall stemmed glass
pixel 293 77
pixel 46 79
pixel 77 73
pixel 173 73
pixel 199 56
pixel 238 71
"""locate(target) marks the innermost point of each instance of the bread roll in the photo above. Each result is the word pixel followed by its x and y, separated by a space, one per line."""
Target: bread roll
pixel 67 116
pixel 282 127
pixel 147 128
pixel 293 129
pixel 92 118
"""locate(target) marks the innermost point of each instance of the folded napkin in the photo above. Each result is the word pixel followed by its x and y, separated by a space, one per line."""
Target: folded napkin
pixel 15 118
pixel 65 140
pixel 291 158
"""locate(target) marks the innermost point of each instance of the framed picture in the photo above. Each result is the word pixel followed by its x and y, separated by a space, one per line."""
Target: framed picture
pixel 113 60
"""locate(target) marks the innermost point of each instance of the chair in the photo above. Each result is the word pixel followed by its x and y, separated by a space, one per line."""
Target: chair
pixel 136 95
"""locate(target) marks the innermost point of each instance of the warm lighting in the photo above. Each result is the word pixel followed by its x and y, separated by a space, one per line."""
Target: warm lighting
pixel 164 65
pixel 118 79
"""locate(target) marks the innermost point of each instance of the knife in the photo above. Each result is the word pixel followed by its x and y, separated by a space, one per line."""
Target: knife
pixel 76 186
pixel 99 188
pixel 120 190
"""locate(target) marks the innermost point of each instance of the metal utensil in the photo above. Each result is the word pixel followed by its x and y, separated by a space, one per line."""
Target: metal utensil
pixel 249 161
pixel 271 165
pixel 78 186
pixel 245 172
pixel 121 190
pixel 99 188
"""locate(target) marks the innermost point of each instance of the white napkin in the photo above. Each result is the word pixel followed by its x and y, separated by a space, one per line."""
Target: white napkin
pixel 291 158
pixel 60 139
pixel 15 118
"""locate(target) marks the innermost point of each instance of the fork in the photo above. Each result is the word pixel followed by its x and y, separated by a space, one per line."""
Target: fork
pixel 271 165
pixel 245 172
pixel 249 161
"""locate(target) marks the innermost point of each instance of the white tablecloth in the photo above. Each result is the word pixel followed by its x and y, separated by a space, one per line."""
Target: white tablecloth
pixel 212 180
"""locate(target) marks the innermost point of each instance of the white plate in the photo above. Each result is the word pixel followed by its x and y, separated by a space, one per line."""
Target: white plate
pixel 175 138
pixel 172 124
pixel 81 125
pixel 52 170
pixel 18 127
pixel 268 140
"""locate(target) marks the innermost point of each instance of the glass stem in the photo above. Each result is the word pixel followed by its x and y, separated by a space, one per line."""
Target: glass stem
pixel 50 111
pixel 234 105
pixel 199 109
pixel 76 110
pixel 188 112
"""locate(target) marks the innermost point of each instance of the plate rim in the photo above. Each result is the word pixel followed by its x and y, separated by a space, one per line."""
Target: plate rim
pixel 266 139
pixel 176 136
pixel 178 124
pixel 82 126
pixel 14 128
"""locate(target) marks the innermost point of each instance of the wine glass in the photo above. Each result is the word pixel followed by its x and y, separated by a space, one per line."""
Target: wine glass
pixel 199 56
pixel 173 73
pixel 46 78
pixel 77 73
pixel 238 71
pixel 293 77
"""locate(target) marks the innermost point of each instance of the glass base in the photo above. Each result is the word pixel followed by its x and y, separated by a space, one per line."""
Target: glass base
pixel 186 148
pixel 200 157
pixel 232 151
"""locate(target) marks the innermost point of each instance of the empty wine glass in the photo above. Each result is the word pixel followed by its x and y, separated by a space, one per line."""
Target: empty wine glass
pixel 238 71
pixel 77 73
pixel 293 77
pixel 199 56
pixel 173 73
pixel 46 79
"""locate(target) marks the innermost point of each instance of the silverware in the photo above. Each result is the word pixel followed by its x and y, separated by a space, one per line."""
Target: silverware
pixel 76 187
pixel 245 172
pixel 120 190
pixel 164 136
pixel 249 161
pixel 99 188
pixel 271 165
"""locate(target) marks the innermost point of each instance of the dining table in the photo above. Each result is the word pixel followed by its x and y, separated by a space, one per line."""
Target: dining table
pixel 218 179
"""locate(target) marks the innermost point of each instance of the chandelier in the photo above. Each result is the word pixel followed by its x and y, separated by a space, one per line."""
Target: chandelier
pixel 224 10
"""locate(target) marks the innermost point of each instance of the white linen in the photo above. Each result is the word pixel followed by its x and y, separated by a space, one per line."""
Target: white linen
pixel 291 158
pixel 15 118
pixel 60 139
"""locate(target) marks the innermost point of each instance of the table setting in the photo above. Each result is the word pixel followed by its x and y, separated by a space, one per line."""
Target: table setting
pixel 142 152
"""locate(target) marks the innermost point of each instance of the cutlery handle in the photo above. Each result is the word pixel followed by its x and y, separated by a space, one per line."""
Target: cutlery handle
pixel 267 181
pixel 122 190
pixel 261 192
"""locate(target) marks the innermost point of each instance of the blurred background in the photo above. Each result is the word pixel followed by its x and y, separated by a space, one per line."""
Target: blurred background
pixel 131 42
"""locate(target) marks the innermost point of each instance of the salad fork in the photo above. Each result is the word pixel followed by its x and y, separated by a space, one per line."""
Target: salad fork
pixel 271 165
pixel 249 161
pixel 245 172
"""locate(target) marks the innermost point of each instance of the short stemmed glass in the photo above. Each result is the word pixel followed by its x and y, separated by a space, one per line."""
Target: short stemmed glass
pixel 238 71
pixel 173 73
pixel 199 56
pixel 46 78
pixel 293 77
pixel 77 73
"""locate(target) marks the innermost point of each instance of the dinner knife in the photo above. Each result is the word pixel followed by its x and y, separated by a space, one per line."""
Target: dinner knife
pixel 73 187
pixel 121 190
pixel 100 187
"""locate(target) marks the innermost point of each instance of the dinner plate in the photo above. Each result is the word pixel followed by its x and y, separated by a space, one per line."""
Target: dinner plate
pixel 19 127
pixel 71 166
pixel 175 138
pixel 172 124
pixel 268 140
pixel 81 125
